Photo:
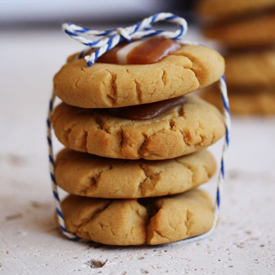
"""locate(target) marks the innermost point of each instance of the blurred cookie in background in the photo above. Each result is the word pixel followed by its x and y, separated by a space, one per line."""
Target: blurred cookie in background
pixel 222 9
pixel 250 69
pixel 256 30
pixel 245 31
pixel 245 101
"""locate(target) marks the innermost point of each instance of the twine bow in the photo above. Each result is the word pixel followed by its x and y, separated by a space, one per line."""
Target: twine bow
pixel 103 41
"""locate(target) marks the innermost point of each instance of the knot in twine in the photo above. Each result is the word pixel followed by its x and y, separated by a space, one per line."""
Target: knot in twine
pixel 103 41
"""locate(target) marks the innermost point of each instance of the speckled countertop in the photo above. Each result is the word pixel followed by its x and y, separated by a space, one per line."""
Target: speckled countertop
pixel 244 243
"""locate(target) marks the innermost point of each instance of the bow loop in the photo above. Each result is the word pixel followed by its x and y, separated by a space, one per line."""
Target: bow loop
pixel 103 41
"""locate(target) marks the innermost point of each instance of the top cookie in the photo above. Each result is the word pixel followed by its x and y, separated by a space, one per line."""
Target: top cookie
pixel 112 85
pixel 219 9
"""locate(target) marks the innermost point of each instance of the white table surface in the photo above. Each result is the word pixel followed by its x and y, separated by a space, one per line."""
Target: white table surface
pixel 30 243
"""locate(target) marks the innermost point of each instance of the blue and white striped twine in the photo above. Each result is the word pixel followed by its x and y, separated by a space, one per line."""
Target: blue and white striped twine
pixel 103 41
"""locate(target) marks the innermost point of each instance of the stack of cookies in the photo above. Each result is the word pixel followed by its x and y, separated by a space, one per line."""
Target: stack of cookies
pixel 245 30
pixel 135 144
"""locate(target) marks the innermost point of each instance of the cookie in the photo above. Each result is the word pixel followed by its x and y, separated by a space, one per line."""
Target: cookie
pixel 136 222
pixel 220 9
pixel 91 176
pixel 113 85
pixel 245 101
pixel 248 32
pixel 185 129
pixel 251 69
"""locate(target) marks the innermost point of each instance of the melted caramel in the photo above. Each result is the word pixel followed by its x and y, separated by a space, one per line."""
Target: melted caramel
pixel 146 111
pixel 111 56
pixel 150 51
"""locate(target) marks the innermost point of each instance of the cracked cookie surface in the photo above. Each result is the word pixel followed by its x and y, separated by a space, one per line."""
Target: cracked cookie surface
pixel 91 176
pixel 112 85
pixel 137 222
pixel 182 130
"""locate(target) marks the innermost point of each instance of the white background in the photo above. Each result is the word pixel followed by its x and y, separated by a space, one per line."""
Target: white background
pixel 60 10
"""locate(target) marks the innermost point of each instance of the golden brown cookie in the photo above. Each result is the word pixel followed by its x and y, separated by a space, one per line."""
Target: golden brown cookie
pixel 248 32
pixel 220 9
pixel 182 130
pixel 245 101
pixel 112 85
pixel 137 222
pixel 92 176
pixel 251 69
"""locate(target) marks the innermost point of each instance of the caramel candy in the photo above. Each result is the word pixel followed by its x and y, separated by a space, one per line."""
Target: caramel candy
pixel 146 111
pixel 152 51
pixel 145 51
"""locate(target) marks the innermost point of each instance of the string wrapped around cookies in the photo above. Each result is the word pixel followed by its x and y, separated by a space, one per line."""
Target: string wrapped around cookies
pixel 101 42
